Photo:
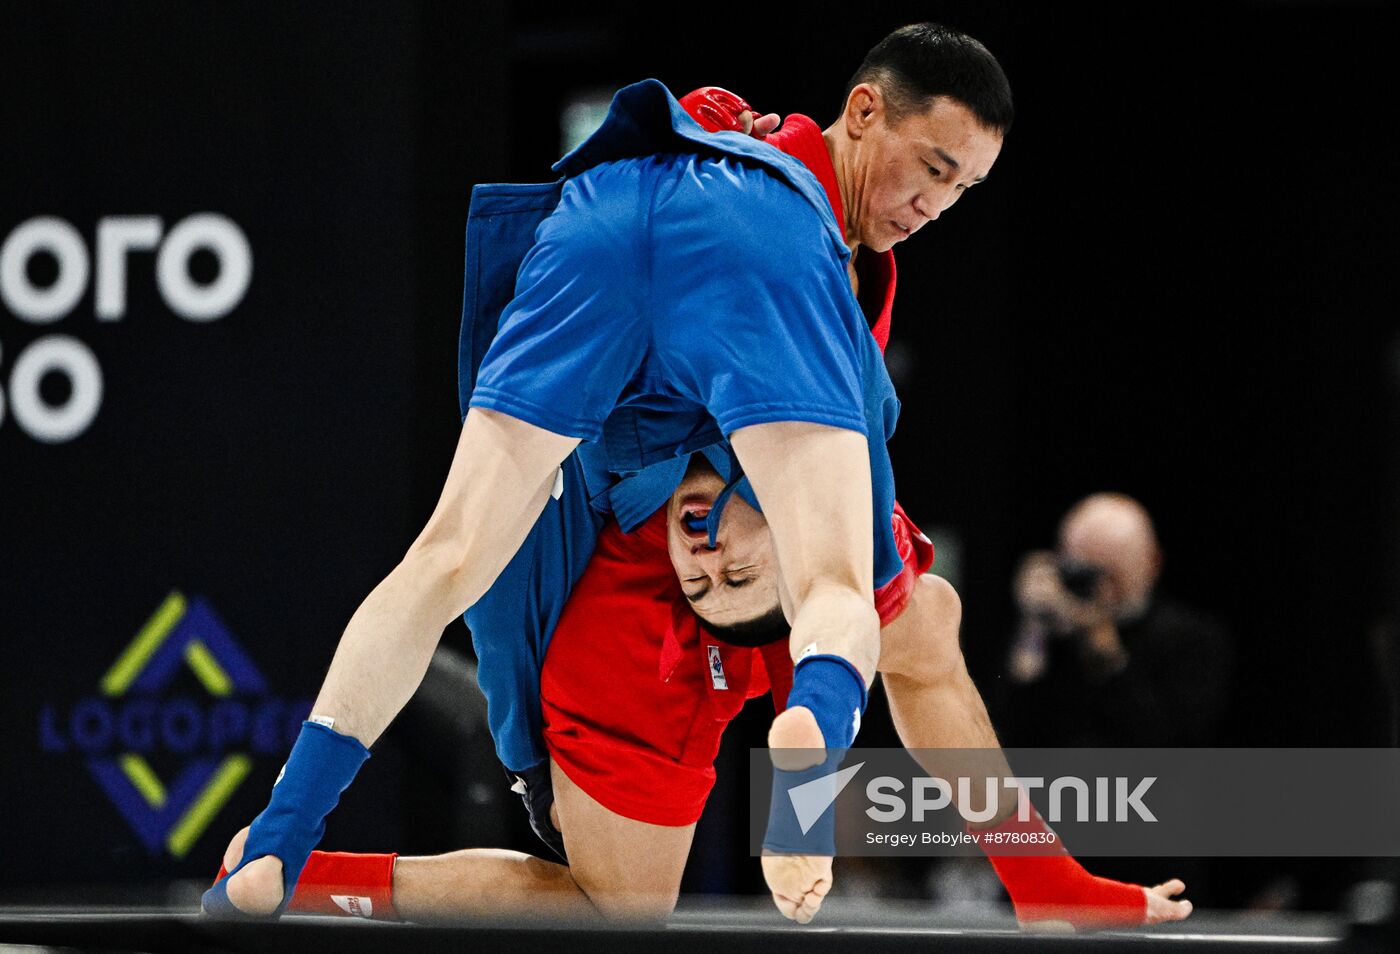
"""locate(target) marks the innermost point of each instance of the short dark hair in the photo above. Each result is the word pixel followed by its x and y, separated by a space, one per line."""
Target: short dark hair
pixel 759 631
pixel 921 61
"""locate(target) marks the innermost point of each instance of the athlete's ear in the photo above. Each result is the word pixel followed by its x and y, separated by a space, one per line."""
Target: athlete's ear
pixel 863 107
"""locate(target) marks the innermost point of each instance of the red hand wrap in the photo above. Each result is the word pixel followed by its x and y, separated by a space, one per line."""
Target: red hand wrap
pixel 716 109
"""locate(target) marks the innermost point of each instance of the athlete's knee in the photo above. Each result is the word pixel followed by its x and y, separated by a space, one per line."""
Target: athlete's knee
pixel 945 599
pixel 923 643
pixel 639 903
pixel 943 645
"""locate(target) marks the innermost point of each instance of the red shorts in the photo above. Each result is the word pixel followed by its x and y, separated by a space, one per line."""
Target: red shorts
pixel 636 694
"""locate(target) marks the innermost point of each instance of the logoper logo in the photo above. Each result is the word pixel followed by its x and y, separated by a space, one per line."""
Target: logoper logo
pixel 143 715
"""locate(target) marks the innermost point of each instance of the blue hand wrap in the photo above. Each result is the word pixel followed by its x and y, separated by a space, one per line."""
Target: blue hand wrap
pixel 834 691
pixel 323 763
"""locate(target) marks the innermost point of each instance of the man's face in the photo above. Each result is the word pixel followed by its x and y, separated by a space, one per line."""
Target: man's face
pixel 736 581
pixel 1117 539
pixel 904 175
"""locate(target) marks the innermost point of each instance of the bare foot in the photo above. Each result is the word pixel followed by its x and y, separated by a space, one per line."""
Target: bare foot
pixel 257 889
pixel 798 883
pixel 796 740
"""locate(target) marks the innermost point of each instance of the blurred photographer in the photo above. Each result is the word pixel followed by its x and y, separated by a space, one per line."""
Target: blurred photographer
pixel 1100 659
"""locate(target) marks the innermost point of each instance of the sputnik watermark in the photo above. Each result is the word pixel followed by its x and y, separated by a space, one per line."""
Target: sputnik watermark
pixel 1112 799
pixel 1102 799
pixel 1141 802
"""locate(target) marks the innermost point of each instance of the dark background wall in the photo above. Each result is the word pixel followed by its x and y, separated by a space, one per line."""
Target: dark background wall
pixel 1175 284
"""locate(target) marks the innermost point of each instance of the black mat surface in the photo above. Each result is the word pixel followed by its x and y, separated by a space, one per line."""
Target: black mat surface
pixel 692 932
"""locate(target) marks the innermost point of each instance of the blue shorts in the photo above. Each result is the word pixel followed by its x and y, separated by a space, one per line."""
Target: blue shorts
pixel 701 290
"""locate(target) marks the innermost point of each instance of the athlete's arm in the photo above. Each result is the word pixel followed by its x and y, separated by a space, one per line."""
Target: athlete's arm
pixel 501 476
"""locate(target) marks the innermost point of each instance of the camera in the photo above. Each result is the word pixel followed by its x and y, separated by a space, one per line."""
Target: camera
pixel 1079 579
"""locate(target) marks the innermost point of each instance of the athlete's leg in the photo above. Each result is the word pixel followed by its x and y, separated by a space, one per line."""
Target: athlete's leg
pixel 501 477
pixel 627 868
pixel 932 697
pixel 621 868
pixel 618 867
pixel 480 882
pixel 486 882
pixel 933 701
